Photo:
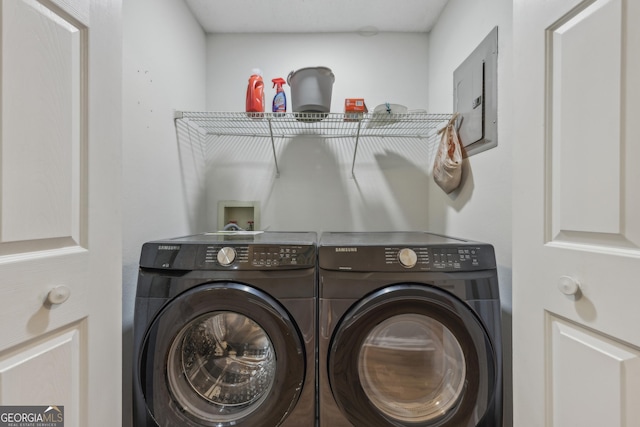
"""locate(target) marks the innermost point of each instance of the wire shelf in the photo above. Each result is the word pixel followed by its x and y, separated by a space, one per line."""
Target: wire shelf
pixel 326 125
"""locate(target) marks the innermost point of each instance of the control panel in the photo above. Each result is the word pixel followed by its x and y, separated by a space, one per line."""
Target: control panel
pixel 266 256
pixel 433 258
pixel 215 251
pixel 258 257
pixel 408 258
pixel 455 258
pixel 225 255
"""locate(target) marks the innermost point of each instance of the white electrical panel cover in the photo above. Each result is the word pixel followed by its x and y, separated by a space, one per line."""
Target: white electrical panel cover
pixel 475 96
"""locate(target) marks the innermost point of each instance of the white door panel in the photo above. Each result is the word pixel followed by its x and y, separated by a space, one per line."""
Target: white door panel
pixel 585 57
pixel 55 365
pixel 576 212
pixel 587 367
pixel 42 124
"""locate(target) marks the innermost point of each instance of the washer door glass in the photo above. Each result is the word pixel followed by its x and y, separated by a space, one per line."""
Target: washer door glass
pixel 222 354
pixel 227 359
pixel 412 368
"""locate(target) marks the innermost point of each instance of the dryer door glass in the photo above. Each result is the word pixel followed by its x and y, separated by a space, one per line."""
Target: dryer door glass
pixel 408 355
pixel 227 359
pixel 412 368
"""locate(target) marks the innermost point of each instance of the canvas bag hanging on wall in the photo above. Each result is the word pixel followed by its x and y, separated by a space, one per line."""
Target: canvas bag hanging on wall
pixel 447 168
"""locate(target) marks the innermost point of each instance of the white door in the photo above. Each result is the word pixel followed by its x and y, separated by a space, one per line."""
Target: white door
pixel 576 252
pixel 60 238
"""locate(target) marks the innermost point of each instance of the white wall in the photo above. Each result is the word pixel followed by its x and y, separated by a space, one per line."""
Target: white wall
pixel 164 68
pixel 481 209
pixel 315 190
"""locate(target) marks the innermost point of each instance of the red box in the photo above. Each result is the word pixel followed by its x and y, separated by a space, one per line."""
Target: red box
pixel 354 109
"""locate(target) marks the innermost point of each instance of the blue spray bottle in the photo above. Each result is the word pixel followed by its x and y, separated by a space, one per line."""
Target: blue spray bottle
pixel 280 100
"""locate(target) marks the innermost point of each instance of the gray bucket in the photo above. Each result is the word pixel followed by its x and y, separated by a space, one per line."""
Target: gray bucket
pixel 311 89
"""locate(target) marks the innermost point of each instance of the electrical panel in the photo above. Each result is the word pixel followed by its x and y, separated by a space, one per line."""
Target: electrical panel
pixel 475 97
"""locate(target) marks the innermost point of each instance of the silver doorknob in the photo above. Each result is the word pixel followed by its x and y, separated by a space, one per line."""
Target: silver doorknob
pixel 568 285
pixel 58 295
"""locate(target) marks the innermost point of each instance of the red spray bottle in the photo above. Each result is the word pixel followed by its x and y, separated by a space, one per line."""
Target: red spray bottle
pixel 255 92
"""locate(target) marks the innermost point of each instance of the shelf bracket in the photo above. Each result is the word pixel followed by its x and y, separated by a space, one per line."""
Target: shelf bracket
pixel 273 147
pixel 355 150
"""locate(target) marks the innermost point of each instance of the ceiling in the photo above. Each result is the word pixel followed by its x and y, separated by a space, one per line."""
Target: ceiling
pixel 316 16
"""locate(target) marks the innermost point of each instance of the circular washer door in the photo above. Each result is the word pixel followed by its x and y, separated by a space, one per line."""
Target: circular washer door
pixel 222 354
pixel 412 355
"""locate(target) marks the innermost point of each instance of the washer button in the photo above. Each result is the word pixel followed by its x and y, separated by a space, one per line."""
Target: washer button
pixel 407 257
pixel 226 256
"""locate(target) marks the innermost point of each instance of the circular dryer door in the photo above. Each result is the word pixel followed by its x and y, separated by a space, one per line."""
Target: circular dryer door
pixel 412 355
pixel 222 354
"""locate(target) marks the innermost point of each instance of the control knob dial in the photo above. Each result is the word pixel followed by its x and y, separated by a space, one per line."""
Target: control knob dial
pixel 407 257
pixel 226 256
